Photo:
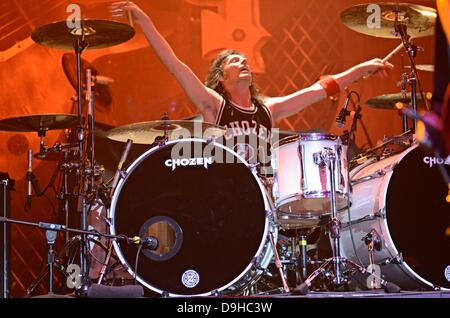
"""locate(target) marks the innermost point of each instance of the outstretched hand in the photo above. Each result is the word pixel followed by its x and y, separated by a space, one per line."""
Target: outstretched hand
pixel 376 67
pixel 127 10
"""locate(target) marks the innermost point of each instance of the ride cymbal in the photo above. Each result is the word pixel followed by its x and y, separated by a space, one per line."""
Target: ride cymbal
pixel 419 20
pixel 97 34
pixel 147 132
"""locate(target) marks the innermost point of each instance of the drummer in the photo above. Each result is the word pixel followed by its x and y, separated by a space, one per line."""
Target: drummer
pixel 229 96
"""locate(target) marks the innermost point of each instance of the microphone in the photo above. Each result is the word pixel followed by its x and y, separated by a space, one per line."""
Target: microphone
pixel 29 178
pixel 340 119
pixel 149 242
pixel 121 162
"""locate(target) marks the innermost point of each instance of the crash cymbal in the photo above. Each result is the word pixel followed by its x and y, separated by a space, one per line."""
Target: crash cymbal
pixel 420 20
pixel 97 33
pixel 39 122
pixel 102 90
pixel 388 101
pixel 146 132
pixel 423 67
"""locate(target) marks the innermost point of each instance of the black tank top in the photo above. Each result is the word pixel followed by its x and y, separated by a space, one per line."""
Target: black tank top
pixel 248 132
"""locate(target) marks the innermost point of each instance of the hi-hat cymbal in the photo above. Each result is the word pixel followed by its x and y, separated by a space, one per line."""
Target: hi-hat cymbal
pixel 388 101
pixel 39 122
pixel 146 132
pixel 102 91
pixel 420 20
pixel 97 33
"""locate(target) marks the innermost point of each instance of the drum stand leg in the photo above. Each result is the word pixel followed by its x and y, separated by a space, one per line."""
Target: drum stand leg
pixel 278 263
pixel 337 263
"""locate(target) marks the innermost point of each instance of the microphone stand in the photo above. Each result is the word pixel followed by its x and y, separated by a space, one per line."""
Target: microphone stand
pixel 51 235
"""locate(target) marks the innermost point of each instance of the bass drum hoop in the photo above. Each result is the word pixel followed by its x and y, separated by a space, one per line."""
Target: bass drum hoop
pixel 265 242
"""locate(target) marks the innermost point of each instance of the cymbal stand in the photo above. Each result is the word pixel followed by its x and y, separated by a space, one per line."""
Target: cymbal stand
pixel 339 273
pixel 64 194
pixel 80 44
pixel 403 83
pixel 412 77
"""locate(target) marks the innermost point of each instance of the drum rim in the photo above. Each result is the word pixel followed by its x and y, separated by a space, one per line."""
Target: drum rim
pixel 136 163
pixel 305 137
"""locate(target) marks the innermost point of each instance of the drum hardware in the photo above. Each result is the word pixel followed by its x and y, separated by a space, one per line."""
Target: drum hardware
pixel 149 242
pixel 382 151
pixel 377 174
pixel 278 263
pixel 338 276
pixel 302 266
pixel 373 242
pixel 396 20
pixel 412 78
pixel 83 35
pixel 372 216
pixel 41 123
pixel 120 172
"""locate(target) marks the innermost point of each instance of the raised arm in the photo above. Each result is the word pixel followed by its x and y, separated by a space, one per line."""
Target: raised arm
pixel 285 106
pixel 207 100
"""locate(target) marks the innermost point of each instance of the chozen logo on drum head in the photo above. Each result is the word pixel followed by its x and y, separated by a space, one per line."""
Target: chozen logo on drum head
pixel 184 162
pixel 190 278
pixel 436 160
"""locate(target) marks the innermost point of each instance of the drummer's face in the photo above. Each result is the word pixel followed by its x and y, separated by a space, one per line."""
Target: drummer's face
pixel 236 69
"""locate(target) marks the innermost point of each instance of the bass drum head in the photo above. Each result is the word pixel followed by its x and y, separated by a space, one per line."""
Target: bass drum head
pixel 215 214
pixel 418 215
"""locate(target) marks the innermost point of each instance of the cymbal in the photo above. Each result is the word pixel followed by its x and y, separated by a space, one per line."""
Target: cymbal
pixel 146 132
pixel 39 122
pixel 388 101
pixel 69 64
pixel 97 33
pixel 423 67
pixel 420 20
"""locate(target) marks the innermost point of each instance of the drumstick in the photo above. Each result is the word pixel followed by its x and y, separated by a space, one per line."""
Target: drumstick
pixel 390 55
pixel 130 16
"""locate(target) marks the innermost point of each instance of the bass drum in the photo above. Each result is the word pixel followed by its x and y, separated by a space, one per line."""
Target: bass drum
pixel 400 203
pixel 209 213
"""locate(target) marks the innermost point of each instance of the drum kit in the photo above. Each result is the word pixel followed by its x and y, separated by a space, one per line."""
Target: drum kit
pixel 216 225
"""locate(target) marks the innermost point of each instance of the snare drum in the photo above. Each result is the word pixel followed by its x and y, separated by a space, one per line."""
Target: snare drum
pixel 302 186
pixel 209 212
